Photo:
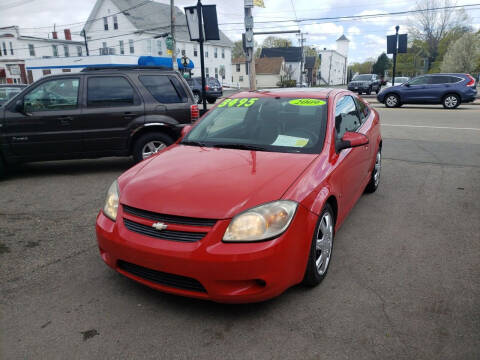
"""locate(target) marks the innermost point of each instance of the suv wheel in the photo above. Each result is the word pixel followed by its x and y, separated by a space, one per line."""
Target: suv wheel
pixel 197 98
pixel 369 91
pixel 211 100
pixel 451 101
pixel 149 144
pixel 392 101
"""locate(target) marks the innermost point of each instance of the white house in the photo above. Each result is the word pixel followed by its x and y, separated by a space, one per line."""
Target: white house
pixel 16 48
pixel 333 63
pixel 293 60
pixel 269 72
pixel 133 27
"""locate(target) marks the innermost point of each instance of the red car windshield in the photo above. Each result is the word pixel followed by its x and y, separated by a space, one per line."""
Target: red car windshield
pixel 264 124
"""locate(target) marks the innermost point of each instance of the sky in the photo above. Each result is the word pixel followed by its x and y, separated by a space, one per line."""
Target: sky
pixel 367 36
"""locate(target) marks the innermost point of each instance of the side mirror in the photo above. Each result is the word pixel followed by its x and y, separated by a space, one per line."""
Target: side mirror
pixel 185 130
pixel 20 107
pixel 407 84
pixel 351 140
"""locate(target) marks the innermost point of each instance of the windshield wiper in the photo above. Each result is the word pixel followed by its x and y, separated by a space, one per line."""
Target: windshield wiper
pixel 240 146
pixel 193 143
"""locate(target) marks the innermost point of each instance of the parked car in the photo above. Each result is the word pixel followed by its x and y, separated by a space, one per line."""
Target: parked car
pixel 8 91
pixel 450 90
pixel 248 202
pixel 96 113
pixel 365 83
pixel 399 80
pixel 213 89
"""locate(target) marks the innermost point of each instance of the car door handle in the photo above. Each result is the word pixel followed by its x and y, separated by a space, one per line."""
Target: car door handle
pixel 128 115
pixel 160 108
pixel 66 120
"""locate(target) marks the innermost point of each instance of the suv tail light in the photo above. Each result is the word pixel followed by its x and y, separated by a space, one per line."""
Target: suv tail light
pixel 194 113
pixel 471 82
pixel 207 88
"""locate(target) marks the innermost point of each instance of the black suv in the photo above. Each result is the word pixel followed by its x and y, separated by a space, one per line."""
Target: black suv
pixel 213 89
pixel 365 83
pixel 95 113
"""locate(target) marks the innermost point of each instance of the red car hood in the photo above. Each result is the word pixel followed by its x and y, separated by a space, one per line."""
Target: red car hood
pixel 210 182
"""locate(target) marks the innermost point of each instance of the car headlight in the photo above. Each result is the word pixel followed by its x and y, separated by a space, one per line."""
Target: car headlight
pixel 110 208
pixel 262 222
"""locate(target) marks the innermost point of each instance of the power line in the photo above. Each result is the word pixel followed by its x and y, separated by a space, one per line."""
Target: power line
pixel 366 16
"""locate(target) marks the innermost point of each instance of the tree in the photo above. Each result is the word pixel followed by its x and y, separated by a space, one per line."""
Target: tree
pixel 237 50
pixel 273 42
pixel 362 68
pixel 431 26
pixel 463 56
pixel 382 64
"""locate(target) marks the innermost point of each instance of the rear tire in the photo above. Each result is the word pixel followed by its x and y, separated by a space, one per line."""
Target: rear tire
pixel 392 101
pixel 211 100
pixel 149 144
pixel 321 248
pixel 451 101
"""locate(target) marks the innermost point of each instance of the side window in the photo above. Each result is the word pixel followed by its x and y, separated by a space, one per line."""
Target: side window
pixel 453 79
pixel 162 88
pixel 179 88
pixel 346 116
pixel 61 94
pixel 422 80
pixel 109 91
pixel 437 80
pixel 363 110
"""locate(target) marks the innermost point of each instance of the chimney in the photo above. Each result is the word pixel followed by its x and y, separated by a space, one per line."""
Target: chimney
pixel 54 35
pixel 68 34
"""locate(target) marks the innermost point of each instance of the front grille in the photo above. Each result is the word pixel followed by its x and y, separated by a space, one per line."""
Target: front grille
pixel 170 219
pixel 172 280
pixel 185 236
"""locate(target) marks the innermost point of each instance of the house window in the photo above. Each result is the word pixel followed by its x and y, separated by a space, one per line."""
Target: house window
pixel 11 48
pixel 238 67
pixel 159 47
pixel 206 52
pixel 31 49
pixel 207 73
pixel 55 50
pixel 4 46
pixel 66 70
pixel 105 23
pixel 115 22
pixel 122 49
pixel 215 52
pixel 79 51
pixel 46 72
pixel 65 50
pixel 195 51
pixel 130 44
pixel 246 68
pixel 216 73
pixel 223 53
pixel 240 78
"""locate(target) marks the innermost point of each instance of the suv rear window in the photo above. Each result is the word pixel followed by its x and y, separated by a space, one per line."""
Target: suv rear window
pixel 165 89
pixel 105 91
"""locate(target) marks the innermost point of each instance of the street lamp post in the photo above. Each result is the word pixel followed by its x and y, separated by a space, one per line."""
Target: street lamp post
pixel 395 55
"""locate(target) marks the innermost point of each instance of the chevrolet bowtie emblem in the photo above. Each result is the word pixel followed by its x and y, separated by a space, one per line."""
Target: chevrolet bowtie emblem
pixel 159 226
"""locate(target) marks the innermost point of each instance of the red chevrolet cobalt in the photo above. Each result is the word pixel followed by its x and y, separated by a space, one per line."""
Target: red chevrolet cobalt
pixel 247 203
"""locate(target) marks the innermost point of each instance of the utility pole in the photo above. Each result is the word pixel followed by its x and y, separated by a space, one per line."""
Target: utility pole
pixel 172 32
pixel 84 33
pixel 395 54
pixel 249 44
pixel 301 60
pixel 202 60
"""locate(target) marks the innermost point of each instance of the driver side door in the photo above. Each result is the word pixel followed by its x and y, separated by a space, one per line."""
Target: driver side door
pixel 44 123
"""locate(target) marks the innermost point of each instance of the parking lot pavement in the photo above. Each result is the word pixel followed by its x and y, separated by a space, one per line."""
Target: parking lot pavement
pixel 403 283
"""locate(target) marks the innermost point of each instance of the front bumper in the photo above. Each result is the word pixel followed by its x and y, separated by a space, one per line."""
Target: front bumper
pixel 228 272
pixel 362 87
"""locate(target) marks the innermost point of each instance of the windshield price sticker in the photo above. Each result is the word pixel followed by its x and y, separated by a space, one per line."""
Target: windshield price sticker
pixel 242 102
pixel 307 102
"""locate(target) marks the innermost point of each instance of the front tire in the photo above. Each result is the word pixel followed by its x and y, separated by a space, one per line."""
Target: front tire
pixel 451 101
pixel 149 144
pixel 392 101
pixel 321 248
pixel 372 186
pixel 369 91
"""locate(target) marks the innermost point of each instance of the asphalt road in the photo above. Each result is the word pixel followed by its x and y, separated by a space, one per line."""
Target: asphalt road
pixel 403 283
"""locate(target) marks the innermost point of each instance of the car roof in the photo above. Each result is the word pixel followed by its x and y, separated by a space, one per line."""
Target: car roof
pixel 321 93
pixel 13 85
